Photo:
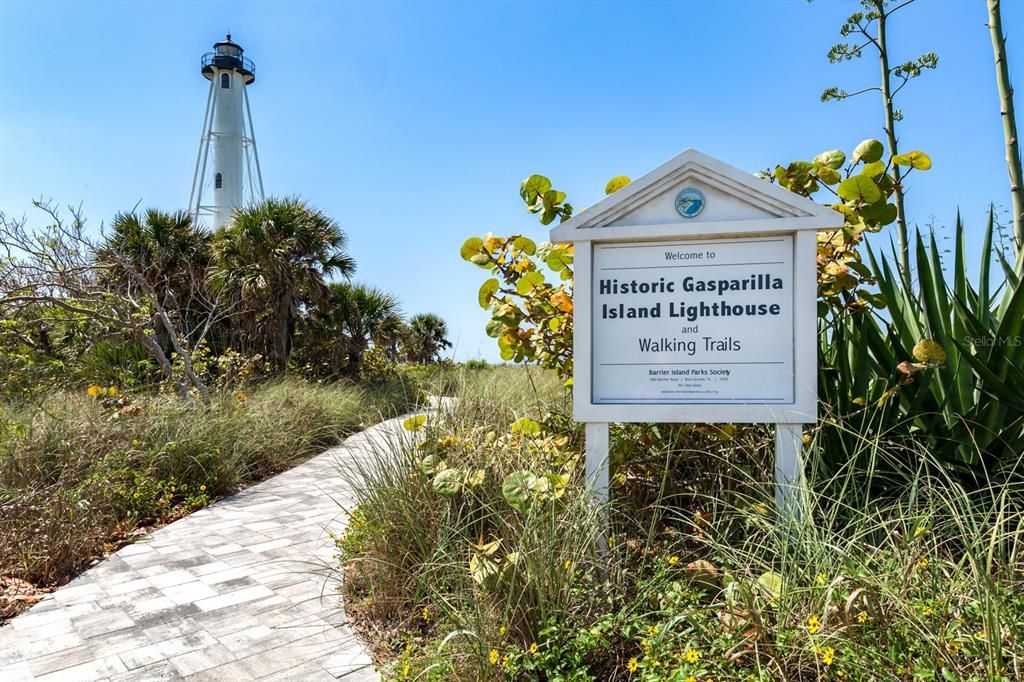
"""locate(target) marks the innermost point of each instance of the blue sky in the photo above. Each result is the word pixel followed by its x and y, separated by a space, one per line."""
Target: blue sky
pixel 413 123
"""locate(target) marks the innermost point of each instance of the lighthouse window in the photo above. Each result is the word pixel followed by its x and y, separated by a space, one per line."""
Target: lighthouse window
pixel 218 181
pixel 225 81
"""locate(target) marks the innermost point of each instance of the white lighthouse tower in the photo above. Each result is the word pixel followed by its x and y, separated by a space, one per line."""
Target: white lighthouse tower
pixel 232 178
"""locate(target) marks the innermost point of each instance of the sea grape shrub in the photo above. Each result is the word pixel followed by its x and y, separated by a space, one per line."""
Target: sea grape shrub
pixel 531 317
pixel 862 190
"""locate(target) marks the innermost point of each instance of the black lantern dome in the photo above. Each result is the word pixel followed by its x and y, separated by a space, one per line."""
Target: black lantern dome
pixel 227 55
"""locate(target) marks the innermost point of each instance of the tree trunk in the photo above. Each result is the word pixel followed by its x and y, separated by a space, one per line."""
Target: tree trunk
pixel 1013 163
pixel 281 333
pixel 890 132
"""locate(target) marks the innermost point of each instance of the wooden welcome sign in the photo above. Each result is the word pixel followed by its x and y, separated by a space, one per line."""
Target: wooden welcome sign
pixel 695 301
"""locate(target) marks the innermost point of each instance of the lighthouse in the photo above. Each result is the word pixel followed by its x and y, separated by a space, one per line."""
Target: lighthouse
pixel 227 174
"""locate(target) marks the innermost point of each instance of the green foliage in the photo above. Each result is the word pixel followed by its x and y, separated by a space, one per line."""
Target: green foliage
pixel 273 259
pixel 531 317
pixel 944 362
pixel 80 471
pixel 500 580
pixel 865 192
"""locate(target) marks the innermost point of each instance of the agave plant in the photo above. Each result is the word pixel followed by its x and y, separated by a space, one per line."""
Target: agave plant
pixel 945 362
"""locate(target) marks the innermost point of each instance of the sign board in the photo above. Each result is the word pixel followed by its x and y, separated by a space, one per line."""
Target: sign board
pixel 693 322
pixel 695 301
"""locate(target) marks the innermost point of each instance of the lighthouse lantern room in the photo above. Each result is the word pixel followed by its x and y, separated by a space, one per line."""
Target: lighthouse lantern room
pixel 229 177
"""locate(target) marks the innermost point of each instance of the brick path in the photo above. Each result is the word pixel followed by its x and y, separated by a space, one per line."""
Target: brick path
pixel 240 590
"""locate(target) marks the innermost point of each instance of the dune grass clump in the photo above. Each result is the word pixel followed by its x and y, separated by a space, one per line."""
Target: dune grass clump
pixel 473 555
pixel 81 472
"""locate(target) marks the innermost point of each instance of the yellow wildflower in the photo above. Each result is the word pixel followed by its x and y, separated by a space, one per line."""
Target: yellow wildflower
pixel 568 564
pixel 691 678
pixel 112 391
pixel 202 488
pixel 493 657
pixel 406 670
pixel 502 630
pixel 673 560
pixel 953 647
pixel 632 665
pixel 692 655
pixel 923 562
pixel 813 626
pixel 652 630
pixel 821 579
pixel 94 390
pixel 426 614
pixel 533 649
pixel 862 617
pixel 504 661
pixel 828 656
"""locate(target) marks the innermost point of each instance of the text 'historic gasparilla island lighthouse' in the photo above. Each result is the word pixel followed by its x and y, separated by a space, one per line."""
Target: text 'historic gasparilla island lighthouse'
pixel 231 178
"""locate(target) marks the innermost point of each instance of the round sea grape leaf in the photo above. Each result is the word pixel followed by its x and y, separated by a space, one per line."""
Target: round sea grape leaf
pixel 431 464
pixel 483 569
pixel 448 482
pixel 868 151
pixel 531 189
pixel 859 188
pixel 879 213
pixel 771 582
pixel 828 175
pixel 833 158
pixel 528 282
pixel 616 183
pixel 526 245
pixel 495 328
pixel 516 488
pixel 415 423
pixel 873 169
pixel 474 246
pixel 526 426
pixel 914 159
pixel 487 290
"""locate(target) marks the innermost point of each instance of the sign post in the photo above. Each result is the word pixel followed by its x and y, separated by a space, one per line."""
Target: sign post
pixel 696 300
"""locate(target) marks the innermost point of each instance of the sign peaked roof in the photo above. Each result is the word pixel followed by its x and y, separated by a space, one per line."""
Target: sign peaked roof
pixel 734 202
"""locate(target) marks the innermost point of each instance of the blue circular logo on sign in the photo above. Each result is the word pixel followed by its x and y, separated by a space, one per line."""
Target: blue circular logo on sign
pixel 689 202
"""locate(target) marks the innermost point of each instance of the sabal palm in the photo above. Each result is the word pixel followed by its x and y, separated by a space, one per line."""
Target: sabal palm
pixel 427 337
pixel 274 258
pixel 363 314
pixel 167 249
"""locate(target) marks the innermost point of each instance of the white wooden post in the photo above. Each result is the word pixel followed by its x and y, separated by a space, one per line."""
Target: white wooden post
pixel 597 474
pixel 790 491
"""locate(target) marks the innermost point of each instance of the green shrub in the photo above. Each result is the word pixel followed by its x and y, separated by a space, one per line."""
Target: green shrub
pixel 472 554
pixel 941 367
pixel 79 472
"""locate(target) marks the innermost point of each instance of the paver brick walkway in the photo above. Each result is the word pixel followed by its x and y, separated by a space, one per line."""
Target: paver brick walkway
pixel 240 590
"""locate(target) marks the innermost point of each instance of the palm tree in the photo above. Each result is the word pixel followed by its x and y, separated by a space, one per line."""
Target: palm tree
pixel 166 249
pixel 426 338
pixel 360 315
pixel 275 258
